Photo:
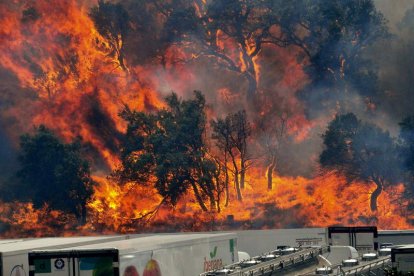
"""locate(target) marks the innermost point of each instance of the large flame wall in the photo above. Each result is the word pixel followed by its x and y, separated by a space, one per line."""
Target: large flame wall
pixel 56 69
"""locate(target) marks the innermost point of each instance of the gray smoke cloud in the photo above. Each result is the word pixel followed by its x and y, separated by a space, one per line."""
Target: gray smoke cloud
pixel 395 61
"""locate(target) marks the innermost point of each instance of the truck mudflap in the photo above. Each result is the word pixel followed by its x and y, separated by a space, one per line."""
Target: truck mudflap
pixel 74 263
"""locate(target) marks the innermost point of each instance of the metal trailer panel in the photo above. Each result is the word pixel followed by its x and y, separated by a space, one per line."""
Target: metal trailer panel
pixel 397 237
pixel 182 254
pixel 365 242
pixel 7 249
pixel 173 255
pixel 163 240
pixel 256 242
pixel 67 262
pixel 402 258
pixel 14 255
pixel 338 239
pixel 5 241
pixel 363 238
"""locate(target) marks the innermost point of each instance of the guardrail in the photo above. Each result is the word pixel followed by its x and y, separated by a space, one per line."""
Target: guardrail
pixel 368 266
pixel 281 263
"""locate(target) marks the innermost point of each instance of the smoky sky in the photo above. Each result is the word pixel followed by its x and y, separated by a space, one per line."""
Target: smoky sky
pixel 395 62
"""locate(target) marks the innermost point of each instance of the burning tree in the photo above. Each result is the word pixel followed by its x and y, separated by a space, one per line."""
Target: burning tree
pixel 274 137
pixel 112 22
pixel 53 174
pixel 338 34
pixel 231 134
pixel 231 33
pixel 332 35
pixel 361 151
pixel 167 150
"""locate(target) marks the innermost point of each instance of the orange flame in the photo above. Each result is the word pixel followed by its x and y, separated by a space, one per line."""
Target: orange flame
pixel 71 83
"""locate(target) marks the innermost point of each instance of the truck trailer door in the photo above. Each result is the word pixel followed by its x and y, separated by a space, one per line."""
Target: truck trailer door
pixel 363 238
pixel 74 263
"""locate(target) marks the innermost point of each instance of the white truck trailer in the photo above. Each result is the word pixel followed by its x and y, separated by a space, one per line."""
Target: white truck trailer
pixel 402 258
pixel 167 255
pixel 14 253
pixel 363 238
pixel 256 242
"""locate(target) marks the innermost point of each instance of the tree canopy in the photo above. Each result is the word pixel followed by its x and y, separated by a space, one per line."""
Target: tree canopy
pixel 167 149
pixel 112 22
pixel 361 151
pixel 231 134
pixel 332 34
pixel 53 173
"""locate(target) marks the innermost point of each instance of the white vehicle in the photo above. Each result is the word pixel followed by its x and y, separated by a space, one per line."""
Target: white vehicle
pixel 14 253
pixel 167 255
pixel 362 238
pixel 337 254
pixel 402 258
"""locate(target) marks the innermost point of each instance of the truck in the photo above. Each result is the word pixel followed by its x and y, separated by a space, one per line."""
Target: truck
pixel 363 238
pixel 402 258
pixel 338 253
pixel 14 253
pixel 163 254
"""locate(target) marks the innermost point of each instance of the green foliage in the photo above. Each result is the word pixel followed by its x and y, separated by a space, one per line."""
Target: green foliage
pixel 167 150
pixel 361 151
pixel 339 34
pixel 345 25
pixel 53 173
pixel 375 155
pixel 231 134
pixel 337 140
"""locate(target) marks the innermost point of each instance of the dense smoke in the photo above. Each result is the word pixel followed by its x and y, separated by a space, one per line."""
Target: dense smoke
pixel 395 61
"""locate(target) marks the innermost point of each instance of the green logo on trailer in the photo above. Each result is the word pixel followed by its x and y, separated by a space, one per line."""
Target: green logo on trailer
pixel 214 253
pixel 231 245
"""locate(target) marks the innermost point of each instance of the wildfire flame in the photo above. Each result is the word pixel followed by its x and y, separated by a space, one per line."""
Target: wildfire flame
pixel 71 83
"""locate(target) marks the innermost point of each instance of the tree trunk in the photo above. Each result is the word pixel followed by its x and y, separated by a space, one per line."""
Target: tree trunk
pixel 226 180
pixel 375 195
pixel 237 184
pixel 198 197
pixel 270 170
pixel 252 85
pixel 218 197
pixel 122 61
pixel 213 201
pixel 242 179
pixel 236 177
pixel 242 174
pixel 250 70
pixel 81 214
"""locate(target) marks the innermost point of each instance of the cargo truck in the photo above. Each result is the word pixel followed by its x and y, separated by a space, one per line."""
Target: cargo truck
pixel 167 255
pixel 402 258
pixel 14 253
pixel 363 238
